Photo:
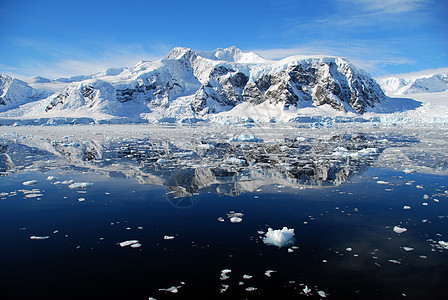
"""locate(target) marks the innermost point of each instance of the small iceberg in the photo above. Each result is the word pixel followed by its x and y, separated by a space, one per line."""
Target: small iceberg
pixel 80 185
pixel 280 238
pixel 398 229
pixel 30 182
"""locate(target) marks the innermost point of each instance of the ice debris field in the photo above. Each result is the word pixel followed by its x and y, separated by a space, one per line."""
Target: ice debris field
pixel 241 212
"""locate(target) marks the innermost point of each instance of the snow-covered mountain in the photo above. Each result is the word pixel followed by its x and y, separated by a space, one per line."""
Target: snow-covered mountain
pixel 431 81
pixel 15 92
pixel 209 82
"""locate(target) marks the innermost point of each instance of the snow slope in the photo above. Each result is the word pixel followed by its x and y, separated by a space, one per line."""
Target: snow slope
pixel 194 84
pixel 229 86
pixel 430 81
pixel 14 92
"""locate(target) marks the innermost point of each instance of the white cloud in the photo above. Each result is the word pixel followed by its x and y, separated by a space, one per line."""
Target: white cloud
pixel 65 60
pixel 389 6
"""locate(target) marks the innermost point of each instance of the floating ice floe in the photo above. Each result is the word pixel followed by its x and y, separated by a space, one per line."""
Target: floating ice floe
pixel 322 294
pixel 128 243
pixel 281 237
pixel 234 161
pixel 36 237
pixel 247 276
pixel 407 249
pixel 394 261
pixel 67 181
pixel 443 244
pixel 306 290
pixel 224 273
pixel 406 207
pixel 173 289
pixel 235 217
pixel 268 273
pixel 245 138
pixel 33 195
pixel 168 237
pixel 251 289
pixel 80 185
pixel 30 182
pixel 382 182
pixel 398 229
pixel 221 219
pixel 224 288
pixel 81 199
pixel 51 178
pixel 409 171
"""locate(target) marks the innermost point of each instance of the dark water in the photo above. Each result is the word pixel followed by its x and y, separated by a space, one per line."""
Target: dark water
pixel 83 261
pixel 342 192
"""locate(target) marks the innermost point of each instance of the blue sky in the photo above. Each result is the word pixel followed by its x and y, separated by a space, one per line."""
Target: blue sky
pixel 64 38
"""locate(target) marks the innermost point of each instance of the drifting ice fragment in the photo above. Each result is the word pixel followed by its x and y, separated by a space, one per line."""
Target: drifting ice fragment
pixel 80 185
pixel 306 290
pixel 251 289
pixel 128 243
pixel 224 273
pixel 269 272
pixel 394 261
pixel 398 229
pixel 407 249
pixel 322 294
pixel 406 207
pixel 30 182
pixel 167 237
pixel 409 171
pixel 51 178
pixel 173 289
pixel 35 237
pixel 236 219
pixel 247 276
pixel 280 238
pixel 382 182
pixel 245 138
pixel 443 244
pixel 136 245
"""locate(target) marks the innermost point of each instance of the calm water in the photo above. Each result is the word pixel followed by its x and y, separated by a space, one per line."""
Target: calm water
pixel 345 243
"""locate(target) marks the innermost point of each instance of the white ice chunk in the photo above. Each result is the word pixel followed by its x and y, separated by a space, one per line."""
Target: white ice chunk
pixel 406 207
pixel 394 261
pixel 36 237
pixel 51 178
pixel 443 244
pixel 236 219
pixel 409 171
pixel 235 161
pixel 30 182
pixel 279 237
pixel 306 290
pixel 382 182
pixel 247 276
pixel 245 138
pixel 251 289
pixel 322 294
pixel 173 289
pixel 80 185
pixel 128 243
pixel 268 273
pixel 67 181
pixel 168 237
pixel 407 249
pixel 398 229
pixel 136 245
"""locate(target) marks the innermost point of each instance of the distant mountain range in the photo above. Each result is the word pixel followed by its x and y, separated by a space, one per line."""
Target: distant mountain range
pixel 412 83
pixel 194 84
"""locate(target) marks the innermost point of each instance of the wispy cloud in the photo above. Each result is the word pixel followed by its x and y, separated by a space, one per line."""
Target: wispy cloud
pixel 389 6
pixel 59 60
